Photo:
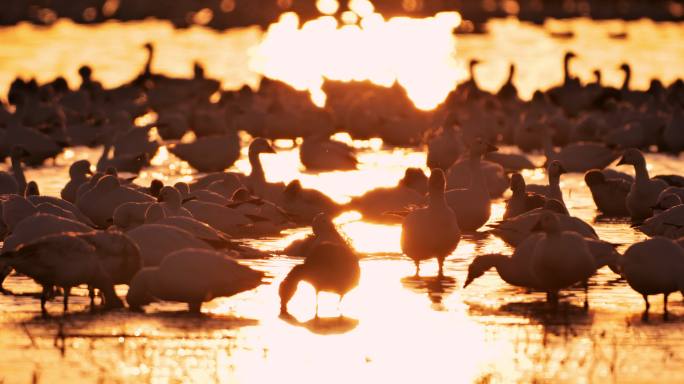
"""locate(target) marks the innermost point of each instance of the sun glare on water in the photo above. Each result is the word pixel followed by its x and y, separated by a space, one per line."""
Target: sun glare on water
pixel 419 54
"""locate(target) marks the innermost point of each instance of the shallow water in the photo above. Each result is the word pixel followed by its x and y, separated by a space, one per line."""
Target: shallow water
pixel 395 328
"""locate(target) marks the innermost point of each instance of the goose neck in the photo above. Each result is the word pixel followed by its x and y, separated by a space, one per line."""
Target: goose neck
pixel 257 168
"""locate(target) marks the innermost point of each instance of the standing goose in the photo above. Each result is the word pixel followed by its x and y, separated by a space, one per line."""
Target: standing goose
pixel 14 182
pixel 472 205
pixel 522 201
pixel 191 276
pixel 552 190
pixel 560 258
pixel 653 267
pixel 62 260
pixel 323 230
pixel 431 231
pixel 508 90
pixel 609 194
pixel 644 192
pixel 79 174
pixel 329 267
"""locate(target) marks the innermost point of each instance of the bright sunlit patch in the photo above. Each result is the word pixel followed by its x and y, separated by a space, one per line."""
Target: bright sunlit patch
pixel 419 54
pixel 327 7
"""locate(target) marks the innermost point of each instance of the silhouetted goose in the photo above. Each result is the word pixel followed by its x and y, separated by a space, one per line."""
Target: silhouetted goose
pixel 122 163
pixel 508 90
pixel 209 153
pixel 669 222
pixel 516 229
pixel 431 231
pixel 155 215
pixel 303 204
pixel 609 195
pixel 62 260
pixel 191 276
pixel 39 146
pixel 14 182
pixel 375 203
pixel 644 191
pixel 156 241
pixel 171 201
pixel 79 174
pixel 319 153
pixel 445 146
pixel 323 230
pixel 38 225
pixel 472 205
pixel 560 258
pixel 652 267
pixel 329 267
pixel 100 202
pixel 521 201
pixel 510 161
pixel 16 208
pixel 552 190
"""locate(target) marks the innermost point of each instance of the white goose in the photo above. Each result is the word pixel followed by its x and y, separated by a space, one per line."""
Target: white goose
pixel 644 192
pixel 209 153
pixel 192 276
pixel 157 240
pixel 36 226
pixel 552 190
pixel 100 202
pixel 319 153
pixel 610 195
pixel 431 231
pixel 79 173
pixel 653 267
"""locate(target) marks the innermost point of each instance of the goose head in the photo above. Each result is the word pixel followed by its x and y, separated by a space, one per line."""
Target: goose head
pixel 139 293
pixel 632 156
pixel 85 72
pixel 156 186
pixel 556 169
pixel 170 196
pixel 594 177
pixel 322 225
pixel 517 183
pixel 667 200
pixel 154 213
pixel 414 178
pixel 480 265
pixel 260 145
pixel 32 189
pixel 183 188
pixel 597 76
pixel 480 147
pixel 80 169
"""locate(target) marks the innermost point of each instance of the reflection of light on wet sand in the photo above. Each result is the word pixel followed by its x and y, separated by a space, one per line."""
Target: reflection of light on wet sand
pixel 418 53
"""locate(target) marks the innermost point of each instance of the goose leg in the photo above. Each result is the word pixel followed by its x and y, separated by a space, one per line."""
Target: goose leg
pixel 67 292
pixel 552 299
pixel 91 294
pixel 644 317
pixel 666 314
pixel 316 316
pixel 417 263
pixel 440 263
pixel 4 272
pixel 195 307
pixel 586 295
pixel 43 299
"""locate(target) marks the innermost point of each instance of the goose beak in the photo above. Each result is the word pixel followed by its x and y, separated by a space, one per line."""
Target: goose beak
pixel 491 148
pixel 622 161
pixel 562 170
pixel 468 281
pixel 270 150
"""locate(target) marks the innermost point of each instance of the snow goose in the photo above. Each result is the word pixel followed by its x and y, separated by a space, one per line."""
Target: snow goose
pixel 39 225
pixel 508 90
pixel 516 229
pixel 155 214
pixel 609 194
pixel 256 180
pixel 39 146
pixel 157 240
pixel 62 260
pixel 323 230
pixel 209 153
pixel 644 192
pixel 17 208
pixel 521 201
pixel 100 202
pixel 14 182
pixel 552 190
pixel 122 163
pixel 581 156
pixel 191 276
pixel 668 223
pixel 445 146
pixel 431 231
pixel 329 267
pixel 319 153
pixel 375 203
pixel 459 176
pixel 79 174
pixel 652 267
pixel 250 205
pixel 222 218
pixel 303 204
pixel 472 205
pixel 560 258
pixel 510 161
pixel 129 215
pixel 171 201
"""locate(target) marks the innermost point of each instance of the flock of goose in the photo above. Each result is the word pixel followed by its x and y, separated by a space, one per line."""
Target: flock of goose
pixel 182 242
